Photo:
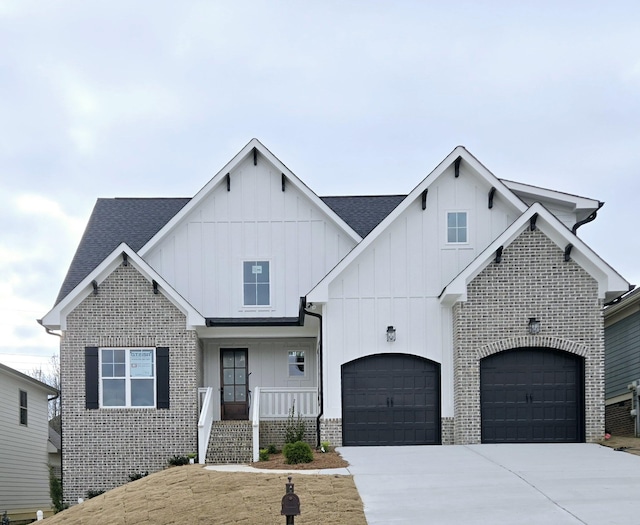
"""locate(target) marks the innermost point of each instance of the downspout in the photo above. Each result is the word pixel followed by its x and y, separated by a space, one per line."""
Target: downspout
pixel 321 380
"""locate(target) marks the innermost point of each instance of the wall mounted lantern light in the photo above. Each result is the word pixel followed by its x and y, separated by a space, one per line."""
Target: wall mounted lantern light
pixel 534 326
pixel 391 334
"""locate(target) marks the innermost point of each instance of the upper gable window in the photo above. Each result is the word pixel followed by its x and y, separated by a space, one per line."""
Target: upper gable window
pixel 256 283
pixel 457 227
pixel 23 408
pixel 127 377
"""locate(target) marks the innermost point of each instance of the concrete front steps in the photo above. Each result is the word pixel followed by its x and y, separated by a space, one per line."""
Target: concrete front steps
pixel 230 442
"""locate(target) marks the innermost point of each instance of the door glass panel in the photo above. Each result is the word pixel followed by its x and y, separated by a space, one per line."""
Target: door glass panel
pixel 228 394
pixel 240 393
pixel 227 360
pixel 240 362
pixel 241 376
pixel 228 376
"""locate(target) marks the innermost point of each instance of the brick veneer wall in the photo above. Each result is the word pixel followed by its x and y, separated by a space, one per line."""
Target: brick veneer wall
pixel 532 280
pixel 618 419
pixel 331 431
pixel 272 432
pixel 100 448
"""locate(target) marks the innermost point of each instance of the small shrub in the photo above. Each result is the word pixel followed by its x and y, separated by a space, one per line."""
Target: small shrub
pixel 298 452
pixel 177 461
pixel 55 491
pixel 138 475
pixel 92 493
pixel 264 454
pixel 295 427
pixel 271 449
pixel 325 446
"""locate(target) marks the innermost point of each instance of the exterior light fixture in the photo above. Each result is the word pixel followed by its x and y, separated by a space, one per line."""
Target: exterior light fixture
pixel 391 334
pixel 534 326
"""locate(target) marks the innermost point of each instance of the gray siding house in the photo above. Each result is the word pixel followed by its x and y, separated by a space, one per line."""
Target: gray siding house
pixel 24 437
pixel 622 363
pixel 195 325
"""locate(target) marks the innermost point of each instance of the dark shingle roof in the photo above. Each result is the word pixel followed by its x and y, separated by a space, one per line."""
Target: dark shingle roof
pixel 134 221
pixel 363 214
pixel 113 221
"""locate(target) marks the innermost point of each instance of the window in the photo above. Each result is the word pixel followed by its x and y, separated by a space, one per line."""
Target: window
pixel 296 363
pixel 457 226
pixel 23 408
pixel 256 283
pixel 127 377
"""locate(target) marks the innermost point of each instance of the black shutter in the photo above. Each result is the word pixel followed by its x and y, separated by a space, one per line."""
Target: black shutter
pixel 162 377
pixel 91 378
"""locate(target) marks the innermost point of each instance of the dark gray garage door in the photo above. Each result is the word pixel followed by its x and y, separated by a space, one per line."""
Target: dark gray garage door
pixel 391 399
pixel 532 395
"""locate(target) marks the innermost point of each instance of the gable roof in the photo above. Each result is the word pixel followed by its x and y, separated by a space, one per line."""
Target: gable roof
pixel 610 283
pixel 28 379
pixel 256 148
pixel 320 292
pixel 363 213
pixel 113 221
pixel 56 318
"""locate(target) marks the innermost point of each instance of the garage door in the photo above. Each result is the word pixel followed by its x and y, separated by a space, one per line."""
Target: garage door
pixel 391 399
pixel 532 395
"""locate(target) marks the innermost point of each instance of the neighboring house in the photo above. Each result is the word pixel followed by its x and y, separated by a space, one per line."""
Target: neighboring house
pixel 24 471
pixel 54 448
pixel 622 364
pixel 467 311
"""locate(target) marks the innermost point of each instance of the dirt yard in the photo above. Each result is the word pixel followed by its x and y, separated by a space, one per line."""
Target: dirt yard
pixel 630 445
pixel 193 495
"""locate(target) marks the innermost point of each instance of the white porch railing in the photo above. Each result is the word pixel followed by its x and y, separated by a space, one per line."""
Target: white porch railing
pixel 276 403
pixel 205 402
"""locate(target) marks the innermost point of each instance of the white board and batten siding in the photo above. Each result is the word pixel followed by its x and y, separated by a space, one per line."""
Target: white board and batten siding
pixel 24 472
pixel 202 257
pixel 397 279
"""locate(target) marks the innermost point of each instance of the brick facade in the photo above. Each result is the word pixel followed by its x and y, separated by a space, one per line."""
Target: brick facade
pixel 618 419
pixel 102 447
pixel 532 280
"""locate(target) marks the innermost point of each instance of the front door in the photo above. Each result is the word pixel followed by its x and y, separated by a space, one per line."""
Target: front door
pixel 235 384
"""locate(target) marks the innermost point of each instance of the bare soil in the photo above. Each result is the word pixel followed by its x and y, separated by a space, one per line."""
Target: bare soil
pixel 194 495
pixel 630 445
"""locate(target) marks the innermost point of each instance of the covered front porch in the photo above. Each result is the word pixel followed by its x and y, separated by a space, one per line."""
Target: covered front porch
pixel 249 388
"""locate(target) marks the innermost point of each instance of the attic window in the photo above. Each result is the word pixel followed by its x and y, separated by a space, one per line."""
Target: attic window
pixel 457 227
pixel 256 283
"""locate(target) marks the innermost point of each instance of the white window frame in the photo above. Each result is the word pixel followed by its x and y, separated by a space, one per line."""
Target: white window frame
pixel 449 212
pixel 269 283
pixel 303 363
pixel 128 376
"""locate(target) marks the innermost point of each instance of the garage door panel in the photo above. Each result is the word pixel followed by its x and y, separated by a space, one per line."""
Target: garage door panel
pixel 532 395
pixel 403 392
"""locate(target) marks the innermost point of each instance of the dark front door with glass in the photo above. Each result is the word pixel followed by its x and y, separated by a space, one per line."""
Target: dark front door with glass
pixel 235 384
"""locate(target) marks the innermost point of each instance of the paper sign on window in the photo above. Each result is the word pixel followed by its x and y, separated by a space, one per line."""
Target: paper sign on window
pixel 141 363
pixel 256 269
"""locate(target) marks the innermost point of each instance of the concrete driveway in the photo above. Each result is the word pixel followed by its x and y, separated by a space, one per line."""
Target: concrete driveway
pixel 555 484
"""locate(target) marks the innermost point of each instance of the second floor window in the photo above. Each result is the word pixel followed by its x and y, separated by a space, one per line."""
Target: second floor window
pixel 23 408
pixel 457 227
pixel 256 283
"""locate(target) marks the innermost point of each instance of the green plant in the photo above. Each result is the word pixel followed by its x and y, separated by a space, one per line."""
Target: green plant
pixel 298 452
pixel 264 454
pixel 325 446
pixel 138 475
pixel 295 427
pixel 271 449
pixel 55 491
pixel 192 455
pixel 92 493
pixel 177 461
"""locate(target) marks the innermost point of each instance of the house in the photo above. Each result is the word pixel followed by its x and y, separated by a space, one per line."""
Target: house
pixel 622 364
pixel 24 433
pixel 467 311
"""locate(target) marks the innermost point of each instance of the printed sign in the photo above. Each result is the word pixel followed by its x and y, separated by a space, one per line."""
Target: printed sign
pixel 256 269
pixel 141 363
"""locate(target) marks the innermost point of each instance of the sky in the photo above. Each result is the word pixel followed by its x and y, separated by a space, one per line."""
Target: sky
pixel 153 98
